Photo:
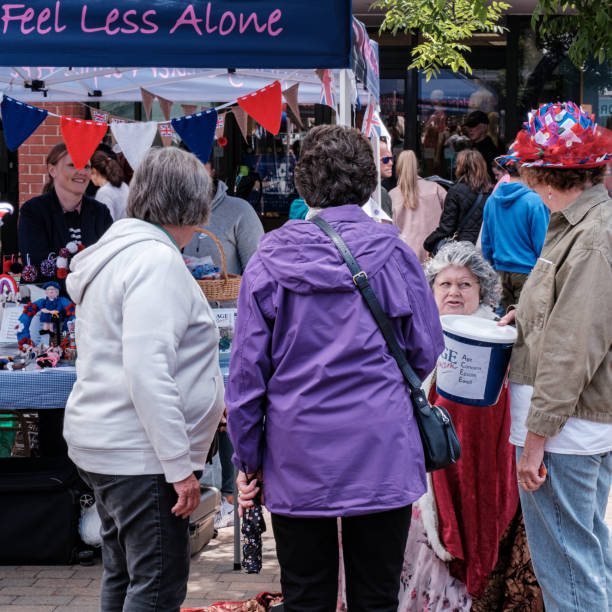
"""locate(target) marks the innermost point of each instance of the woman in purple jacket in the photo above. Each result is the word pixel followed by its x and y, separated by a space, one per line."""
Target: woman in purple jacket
pixel 317 406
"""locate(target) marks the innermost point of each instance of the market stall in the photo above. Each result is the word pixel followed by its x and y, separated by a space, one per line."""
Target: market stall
pixel 296 53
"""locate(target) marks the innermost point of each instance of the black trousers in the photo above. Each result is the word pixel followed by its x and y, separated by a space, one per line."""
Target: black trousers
pixel 373 547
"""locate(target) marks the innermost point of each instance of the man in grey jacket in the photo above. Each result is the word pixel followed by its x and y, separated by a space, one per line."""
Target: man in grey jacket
pixel 236 224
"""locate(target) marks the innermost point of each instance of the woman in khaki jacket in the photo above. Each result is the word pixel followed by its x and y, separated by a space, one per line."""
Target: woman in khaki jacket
pixel 561 368
pixel 417 204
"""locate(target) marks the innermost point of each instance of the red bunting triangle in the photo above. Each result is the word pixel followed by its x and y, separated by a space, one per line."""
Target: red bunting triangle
pixel 81 138
pixel 264 105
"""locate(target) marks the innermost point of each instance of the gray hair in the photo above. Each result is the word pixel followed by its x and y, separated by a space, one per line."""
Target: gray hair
pixel 170 187
pixel 467 255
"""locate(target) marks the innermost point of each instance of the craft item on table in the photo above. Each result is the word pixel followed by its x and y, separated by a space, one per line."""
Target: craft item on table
pixel 206 271
pixel 8 285
pixel 50 358
pixel 202 267
pixel 29 274
pixel 48 267
pixel 65 255
pixel 50 304
pixel 10 265
pixel 60 310
pixel 5 209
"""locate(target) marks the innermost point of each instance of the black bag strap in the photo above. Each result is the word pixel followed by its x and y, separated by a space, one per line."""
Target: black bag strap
pixel 469 213
pixel 362 283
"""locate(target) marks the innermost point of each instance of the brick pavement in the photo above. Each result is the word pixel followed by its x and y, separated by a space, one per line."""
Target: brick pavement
pixel 74 588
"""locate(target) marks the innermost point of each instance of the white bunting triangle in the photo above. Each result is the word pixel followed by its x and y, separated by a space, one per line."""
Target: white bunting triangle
pixel 135 139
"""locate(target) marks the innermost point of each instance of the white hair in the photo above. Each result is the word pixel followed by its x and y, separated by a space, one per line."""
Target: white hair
pixel 465 254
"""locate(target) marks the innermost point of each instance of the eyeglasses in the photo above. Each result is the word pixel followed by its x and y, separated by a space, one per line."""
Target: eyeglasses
pixel 386 159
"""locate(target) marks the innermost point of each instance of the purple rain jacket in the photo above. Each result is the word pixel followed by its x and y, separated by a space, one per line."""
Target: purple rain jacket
pixel 339 437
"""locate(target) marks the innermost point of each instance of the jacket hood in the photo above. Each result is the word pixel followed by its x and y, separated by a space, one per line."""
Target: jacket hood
pixel 303 259
pixel 220 195
pixel 122 234
pixel 508 193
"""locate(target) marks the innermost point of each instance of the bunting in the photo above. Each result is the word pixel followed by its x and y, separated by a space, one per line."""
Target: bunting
pixel 97 115
pixel 327 87
pixel 241 119
pixel 81 138
pixel 220 129
pixel 166 132
pixel 166 107
pixel 198 132
pixel 135 139
pixel 291 96
pixel 264 105
pixel 371 122
pixel 19 121
pixel 189 109
pixel 147 101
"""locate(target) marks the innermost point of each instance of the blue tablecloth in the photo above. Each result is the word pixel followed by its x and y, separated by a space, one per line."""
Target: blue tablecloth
pixel 46 389
pixel 36 390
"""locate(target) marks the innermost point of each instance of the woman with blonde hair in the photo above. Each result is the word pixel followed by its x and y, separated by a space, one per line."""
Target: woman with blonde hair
pixel 417 204
pixel 464 204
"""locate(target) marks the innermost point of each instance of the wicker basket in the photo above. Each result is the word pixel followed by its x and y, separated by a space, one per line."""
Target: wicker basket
pixel 222 289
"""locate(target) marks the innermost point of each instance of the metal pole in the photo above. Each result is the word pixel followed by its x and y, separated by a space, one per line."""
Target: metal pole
pixel 237 555
pixel 344 115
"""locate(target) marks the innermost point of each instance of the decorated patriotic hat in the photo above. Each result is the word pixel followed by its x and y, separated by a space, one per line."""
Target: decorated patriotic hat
pixel 510 159
pixel 562 135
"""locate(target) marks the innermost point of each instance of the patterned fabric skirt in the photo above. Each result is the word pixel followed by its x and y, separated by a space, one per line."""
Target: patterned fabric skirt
pixel 427 585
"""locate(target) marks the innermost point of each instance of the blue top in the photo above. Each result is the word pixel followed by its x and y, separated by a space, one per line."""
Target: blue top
pixel 514 227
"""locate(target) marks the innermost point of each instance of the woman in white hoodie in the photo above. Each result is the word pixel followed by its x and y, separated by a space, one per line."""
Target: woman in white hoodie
pixel 149 392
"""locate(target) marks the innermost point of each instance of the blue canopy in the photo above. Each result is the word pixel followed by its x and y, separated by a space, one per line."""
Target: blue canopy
pixel 200 34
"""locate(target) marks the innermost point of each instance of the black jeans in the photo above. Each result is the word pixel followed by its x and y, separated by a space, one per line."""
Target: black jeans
pixel 145 548
pixel 373 547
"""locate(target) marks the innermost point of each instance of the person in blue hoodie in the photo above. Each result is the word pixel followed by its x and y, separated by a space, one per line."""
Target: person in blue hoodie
pixel 514 226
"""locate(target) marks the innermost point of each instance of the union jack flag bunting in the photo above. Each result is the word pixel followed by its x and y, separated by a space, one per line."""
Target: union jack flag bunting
pixel 117 120
pixel 165 129
pixel 371 122
pixel 220 121
pixel 99 116
pixel 327 88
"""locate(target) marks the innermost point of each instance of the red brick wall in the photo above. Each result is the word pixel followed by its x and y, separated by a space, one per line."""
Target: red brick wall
pixel 33 152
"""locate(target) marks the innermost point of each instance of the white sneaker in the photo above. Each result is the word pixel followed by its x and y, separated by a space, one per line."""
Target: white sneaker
pixel 225 516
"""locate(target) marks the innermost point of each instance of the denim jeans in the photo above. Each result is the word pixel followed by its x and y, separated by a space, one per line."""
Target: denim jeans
pixel 145 548
pixel 226 450
pixel 567 535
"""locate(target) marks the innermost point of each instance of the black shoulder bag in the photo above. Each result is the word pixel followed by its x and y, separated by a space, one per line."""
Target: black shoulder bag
pixel 442 241
pixel 440 442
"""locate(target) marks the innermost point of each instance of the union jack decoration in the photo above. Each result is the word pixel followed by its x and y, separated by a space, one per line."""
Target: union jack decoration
pixel 327 88
pixel 371 122
pixel 165 129
pixel 99 116
pixel 220 121
pixel 117 120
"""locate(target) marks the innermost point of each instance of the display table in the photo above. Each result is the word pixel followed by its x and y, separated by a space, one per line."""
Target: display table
pixel 46 389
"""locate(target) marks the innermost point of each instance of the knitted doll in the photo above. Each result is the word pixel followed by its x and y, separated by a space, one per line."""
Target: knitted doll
pixel 50 305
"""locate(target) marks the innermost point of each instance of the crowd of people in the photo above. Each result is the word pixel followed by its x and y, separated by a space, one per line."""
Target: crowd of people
pixel 319 420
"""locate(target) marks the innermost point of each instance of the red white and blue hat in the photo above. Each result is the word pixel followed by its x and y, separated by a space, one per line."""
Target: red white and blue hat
pixel 561 135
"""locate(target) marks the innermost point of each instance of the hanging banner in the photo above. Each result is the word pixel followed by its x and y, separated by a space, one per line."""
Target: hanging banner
pixel 364 60
pixel 205 34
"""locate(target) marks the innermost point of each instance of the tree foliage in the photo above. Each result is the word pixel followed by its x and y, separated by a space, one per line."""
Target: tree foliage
pixel 443 26
pixel 588 21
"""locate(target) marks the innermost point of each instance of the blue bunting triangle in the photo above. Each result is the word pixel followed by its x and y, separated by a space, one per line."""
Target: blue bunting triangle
pixel 198 132
pixel 19 121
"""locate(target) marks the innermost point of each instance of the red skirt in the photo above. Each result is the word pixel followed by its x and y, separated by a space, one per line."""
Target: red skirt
pixel 477 496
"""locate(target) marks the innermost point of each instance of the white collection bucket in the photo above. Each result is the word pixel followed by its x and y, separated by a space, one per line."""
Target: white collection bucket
pixel 472 368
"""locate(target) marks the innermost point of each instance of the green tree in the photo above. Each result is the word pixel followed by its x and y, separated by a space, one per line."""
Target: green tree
pixel 443 26
pixel 589 22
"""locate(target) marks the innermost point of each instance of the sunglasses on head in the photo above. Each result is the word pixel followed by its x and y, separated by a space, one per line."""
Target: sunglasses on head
pixel 386 159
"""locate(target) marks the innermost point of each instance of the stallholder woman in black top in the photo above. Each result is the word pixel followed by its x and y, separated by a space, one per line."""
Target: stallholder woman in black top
pixel 63 213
